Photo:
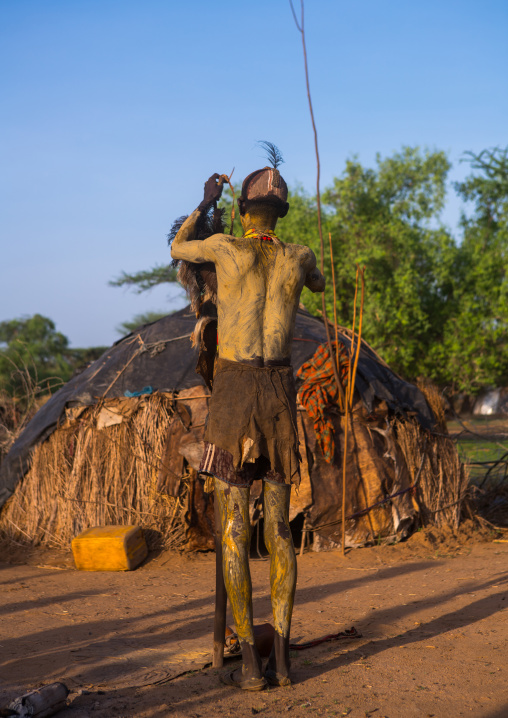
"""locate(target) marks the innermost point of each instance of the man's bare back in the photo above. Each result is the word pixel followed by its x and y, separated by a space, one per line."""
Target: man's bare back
pixel 259 284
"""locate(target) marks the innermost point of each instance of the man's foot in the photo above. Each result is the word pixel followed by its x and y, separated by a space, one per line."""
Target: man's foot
pixel 277 668
pixel 248 677
pixel 237 679
pixel 276 679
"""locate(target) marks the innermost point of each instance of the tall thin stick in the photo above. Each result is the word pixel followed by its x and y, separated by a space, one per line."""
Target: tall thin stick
pixel 360 323
pixel 344 461
pixel 350 390
pixel 228 180
pixel 354 313
pixel 342 399
pixel 301 28
pixel 347 400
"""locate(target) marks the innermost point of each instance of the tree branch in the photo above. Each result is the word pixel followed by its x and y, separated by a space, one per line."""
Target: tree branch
pixel 145 279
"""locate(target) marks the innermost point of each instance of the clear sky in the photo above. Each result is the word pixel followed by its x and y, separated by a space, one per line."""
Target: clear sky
pixel 114 112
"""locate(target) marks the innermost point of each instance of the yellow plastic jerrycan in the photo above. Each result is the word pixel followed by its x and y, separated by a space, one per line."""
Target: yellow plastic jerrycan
pixel 109 548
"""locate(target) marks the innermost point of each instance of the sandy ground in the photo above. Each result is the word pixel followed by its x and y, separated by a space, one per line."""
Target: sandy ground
pixel 433 618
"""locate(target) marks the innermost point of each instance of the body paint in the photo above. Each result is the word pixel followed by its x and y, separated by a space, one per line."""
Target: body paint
pixel 279 543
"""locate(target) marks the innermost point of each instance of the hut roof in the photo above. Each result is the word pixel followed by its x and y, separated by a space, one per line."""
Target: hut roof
pixel 160 355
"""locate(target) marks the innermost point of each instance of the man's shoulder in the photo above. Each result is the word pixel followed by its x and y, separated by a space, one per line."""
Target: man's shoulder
pixel 230 242
pixel 301 251
pixel 218 240
pixel 300 248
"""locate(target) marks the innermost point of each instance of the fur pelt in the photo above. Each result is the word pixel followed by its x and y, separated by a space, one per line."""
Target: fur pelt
pixel 200 283
pixel 199 280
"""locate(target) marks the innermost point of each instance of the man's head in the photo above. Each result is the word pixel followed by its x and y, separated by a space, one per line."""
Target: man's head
pixel 264 193
pixel 266 186
pixel 263 199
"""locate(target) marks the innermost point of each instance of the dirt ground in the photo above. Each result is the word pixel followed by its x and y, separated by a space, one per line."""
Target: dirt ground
pixel 432 613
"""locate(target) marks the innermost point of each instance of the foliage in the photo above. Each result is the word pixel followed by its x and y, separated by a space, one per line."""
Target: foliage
pixel 13 419
pixel 81 358
pixel 32 351
pixel 145 279
pixel 435 305
pixel 35 358
pixel 381 219
pixel 476 336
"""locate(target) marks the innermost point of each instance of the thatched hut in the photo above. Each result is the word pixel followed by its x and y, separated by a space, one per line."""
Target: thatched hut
pixel 121 442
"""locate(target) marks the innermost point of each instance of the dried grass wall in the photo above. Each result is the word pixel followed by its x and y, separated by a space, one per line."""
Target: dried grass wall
pixel 102 467
pixel 85 476
pixel 441 480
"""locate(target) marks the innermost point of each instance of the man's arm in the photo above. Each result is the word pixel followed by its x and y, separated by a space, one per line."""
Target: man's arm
pixel 185 246
pixel 314 280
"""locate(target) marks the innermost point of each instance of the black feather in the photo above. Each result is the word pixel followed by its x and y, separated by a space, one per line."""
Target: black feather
pixel 273 154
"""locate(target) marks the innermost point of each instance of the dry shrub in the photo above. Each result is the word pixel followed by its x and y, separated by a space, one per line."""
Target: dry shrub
pixel 83 477
pixel 491 504
pixel 10 417
pixel 17 410
pixel 13 419
pixel 435 400
pixel 441 479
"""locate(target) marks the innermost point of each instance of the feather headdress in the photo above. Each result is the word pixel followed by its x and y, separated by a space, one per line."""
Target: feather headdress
pixel 273 154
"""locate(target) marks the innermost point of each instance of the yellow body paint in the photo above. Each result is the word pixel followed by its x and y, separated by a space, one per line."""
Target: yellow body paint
pixel 258 291
pixel 234 511
pixel 259 285
pixel 279 543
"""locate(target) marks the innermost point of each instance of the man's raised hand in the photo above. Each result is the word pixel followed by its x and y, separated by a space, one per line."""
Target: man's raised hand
pixel 213 190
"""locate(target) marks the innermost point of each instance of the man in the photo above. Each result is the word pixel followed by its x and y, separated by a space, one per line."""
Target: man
pixel 251 430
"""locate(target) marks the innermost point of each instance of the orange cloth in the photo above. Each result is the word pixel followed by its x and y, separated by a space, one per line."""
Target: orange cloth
pixel 319 392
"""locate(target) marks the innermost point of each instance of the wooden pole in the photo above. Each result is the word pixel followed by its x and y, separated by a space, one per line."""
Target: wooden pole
pixel 219 621
pixel 344 460
pixel 301 29
pixel 347 399
pixel 304 536
pixel 342 401
pixel 354 355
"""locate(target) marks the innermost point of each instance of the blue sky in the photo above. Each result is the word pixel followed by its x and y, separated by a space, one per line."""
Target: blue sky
pixel 114 112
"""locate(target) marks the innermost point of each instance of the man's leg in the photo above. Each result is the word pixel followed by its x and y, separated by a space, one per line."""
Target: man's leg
pixel 279 543
pixel 234 511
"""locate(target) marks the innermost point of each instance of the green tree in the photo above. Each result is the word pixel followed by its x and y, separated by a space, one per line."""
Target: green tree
pixel 33 353
pixel 386 219
pixel 476 336
pixel 36 359
pixel 433 306
pixel 145 279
